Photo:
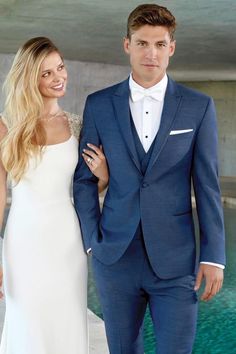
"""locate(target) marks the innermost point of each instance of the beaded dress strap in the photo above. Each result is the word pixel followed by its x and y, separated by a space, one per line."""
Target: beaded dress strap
pixel 75 124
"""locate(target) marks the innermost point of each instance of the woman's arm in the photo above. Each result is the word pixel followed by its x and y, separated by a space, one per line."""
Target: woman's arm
pixel 3 191
pixel 96 162
pixel 3 177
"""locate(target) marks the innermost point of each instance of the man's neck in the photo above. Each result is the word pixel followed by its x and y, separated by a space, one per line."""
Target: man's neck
pixel 147 84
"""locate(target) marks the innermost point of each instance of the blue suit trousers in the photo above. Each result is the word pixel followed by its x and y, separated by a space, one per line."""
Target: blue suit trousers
pixel 125 289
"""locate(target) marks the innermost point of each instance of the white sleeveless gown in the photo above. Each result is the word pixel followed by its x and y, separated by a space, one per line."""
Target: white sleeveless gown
pixel 44 264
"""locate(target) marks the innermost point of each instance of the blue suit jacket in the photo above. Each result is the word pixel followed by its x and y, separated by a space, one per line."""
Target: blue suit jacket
pixel 161 198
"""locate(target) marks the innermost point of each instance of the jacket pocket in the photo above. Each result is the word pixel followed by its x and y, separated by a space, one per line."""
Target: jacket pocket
pixel 183 213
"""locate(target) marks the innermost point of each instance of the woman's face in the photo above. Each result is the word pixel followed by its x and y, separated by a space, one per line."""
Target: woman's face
pixel 53 76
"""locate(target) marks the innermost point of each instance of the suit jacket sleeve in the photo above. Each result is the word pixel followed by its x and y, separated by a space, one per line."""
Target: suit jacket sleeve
pixel 85 188
pixel 207 190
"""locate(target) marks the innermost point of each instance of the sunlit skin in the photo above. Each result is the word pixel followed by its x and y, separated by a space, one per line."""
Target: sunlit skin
pixel 52 86
pixel 53 77
pixel 149 49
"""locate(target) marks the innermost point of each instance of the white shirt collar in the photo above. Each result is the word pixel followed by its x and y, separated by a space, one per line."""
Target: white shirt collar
pixel 161 85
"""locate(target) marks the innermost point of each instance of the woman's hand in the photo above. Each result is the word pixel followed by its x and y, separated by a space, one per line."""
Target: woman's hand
pixel 1 277
pixel 96 162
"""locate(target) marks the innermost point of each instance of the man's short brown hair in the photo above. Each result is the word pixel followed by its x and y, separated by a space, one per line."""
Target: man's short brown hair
pixel 153 15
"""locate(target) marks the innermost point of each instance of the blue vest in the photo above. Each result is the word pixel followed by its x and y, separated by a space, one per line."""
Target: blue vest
pixel 144 156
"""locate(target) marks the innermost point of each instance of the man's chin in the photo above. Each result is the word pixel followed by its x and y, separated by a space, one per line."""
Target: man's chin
pixel 155 75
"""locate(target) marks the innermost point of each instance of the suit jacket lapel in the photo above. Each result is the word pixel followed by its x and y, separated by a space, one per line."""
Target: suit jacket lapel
pixel 170 108
pixel 122 114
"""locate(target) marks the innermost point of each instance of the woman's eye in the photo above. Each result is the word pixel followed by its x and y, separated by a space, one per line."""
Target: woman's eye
pixel 46 74
pixel 61 67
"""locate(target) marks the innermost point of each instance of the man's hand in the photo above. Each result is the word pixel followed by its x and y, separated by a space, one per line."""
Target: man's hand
pixel 213 277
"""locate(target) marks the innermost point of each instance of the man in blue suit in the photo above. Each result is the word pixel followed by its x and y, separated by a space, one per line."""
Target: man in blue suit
pixel 157 137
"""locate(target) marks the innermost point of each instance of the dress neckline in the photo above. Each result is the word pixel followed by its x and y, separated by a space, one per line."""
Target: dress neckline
pixel 58 144
pixel 67 114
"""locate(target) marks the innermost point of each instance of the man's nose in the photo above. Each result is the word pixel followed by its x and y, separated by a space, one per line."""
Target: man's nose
pixel 151 52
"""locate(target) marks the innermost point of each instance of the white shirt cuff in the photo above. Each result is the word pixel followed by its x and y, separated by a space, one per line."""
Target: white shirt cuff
pixel 215 264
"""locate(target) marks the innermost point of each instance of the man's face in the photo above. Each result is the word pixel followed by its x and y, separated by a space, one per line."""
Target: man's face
pixel 149 49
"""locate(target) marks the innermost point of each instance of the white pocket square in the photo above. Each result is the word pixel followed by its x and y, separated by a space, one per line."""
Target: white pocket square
pixel 175 132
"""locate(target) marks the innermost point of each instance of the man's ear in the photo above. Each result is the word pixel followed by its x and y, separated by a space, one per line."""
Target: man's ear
pixel 126 43
pixel 172 48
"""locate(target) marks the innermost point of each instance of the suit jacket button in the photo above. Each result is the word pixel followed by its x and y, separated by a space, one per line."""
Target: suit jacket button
pixel 144 185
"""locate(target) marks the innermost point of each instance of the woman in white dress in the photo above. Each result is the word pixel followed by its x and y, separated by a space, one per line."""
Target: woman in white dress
pixel 44 263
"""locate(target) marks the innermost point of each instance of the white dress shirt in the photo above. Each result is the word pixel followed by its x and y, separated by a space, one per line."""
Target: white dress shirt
pixel 146 113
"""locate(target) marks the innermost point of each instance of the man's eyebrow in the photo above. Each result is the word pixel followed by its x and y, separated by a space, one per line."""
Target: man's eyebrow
pixel 162 41
pixel 159 41
pixel 140 40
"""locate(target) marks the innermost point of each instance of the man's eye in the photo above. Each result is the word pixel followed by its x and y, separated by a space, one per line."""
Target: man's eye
pixel 161 45
pixel 141 44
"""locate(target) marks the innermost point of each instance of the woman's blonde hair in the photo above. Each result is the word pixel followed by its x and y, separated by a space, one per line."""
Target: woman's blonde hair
pixel 23 107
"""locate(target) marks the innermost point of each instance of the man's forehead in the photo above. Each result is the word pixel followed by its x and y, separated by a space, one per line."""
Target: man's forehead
pixel 148 31
pixel 150 38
